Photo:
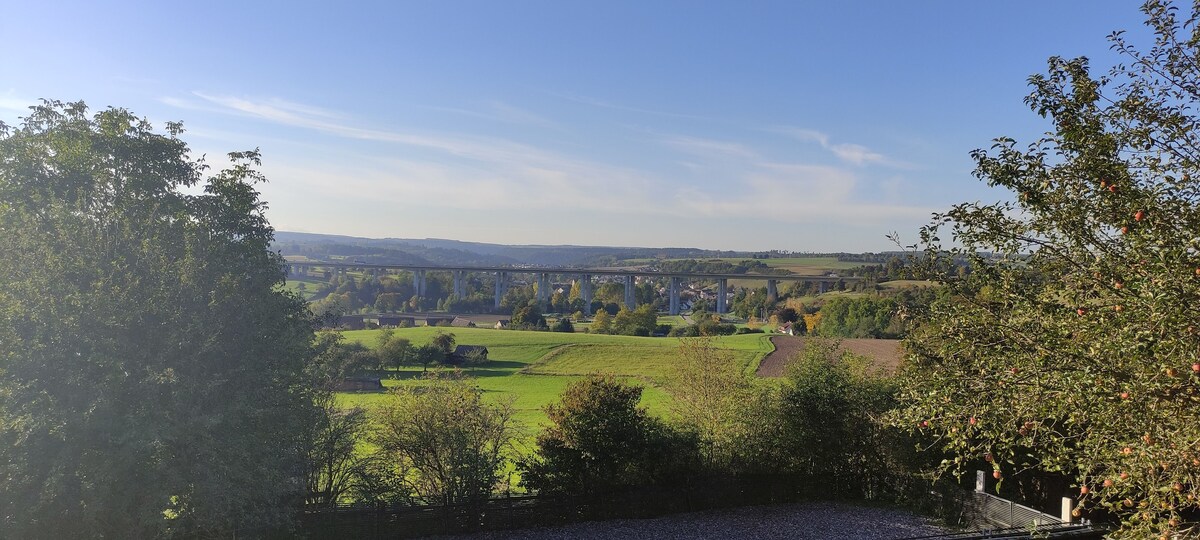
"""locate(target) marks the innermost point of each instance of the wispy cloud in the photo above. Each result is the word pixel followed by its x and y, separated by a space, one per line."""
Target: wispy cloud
pixel 854 154
pixel 488 173
pixel 10 102
pixel 490 176
pixel 788 192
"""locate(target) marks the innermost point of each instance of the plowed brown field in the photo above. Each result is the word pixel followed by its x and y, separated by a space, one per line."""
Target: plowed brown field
pixel 884 352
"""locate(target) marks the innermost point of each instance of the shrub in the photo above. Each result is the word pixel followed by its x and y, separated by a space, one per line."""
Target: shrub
pixel 454 443
pixel 600 439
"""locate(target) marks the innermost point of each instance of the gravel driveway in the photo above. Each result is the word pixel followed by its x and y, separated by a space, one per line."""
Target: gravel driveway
pixel 824 521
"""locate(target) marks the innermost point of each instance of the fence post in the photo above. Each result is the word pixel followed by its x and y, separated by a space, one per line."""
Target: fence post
pixel 980 481
pixel 1067 506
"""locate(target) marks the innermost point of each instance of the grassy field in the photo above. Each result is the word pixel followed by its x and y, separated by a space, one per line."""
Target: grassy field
pixel 310 285
pixel 533 368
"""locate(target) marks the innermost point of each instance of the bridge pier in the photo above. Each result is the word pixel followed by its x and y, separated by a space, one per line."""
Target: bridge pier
pixel 419 283
pixel 630 295
pixel 772 291
pixel 543 289
pixel 585 293
pixel 460 286
pixel 722 295
pixel 673 296
pixel 822 287
pixel 501 287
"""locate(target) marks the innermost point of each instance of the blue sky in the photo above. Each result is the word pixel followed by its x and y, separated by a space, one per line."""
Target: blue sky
pixel 807 126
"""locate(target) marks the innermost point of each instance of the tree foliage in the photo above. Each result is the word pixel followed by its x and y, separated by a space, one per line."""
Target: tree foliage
pixel 334 466
pixel 1074 350
pixel 149 362
pixel 454 444
pixel 598 439
pixel 832 426
pixel 713 396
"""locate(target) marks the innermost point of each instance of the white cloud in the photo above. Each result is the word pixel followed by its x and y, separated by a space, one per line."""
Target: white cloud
pixel 10 102
pixel 490 177
pixel 854 154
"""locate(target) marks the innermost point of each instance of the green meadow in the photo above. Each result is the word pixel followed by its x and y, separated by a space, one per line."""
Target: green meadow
pixel 533 368
pixel 310 285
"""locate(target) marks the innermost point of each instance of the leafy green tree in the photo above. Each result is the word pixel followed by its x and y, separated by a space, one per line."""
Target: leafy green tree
pixel 638 322
pixel 528 317
pixel 711 395
pixel 564 325
pixel 335 358
pixel 830 422
pixel 599 439
pixel 601 323
pixel 454 443
pixel 444 341
pixel 152 370
pixel 334 465
pixel 428 354
pixel 393 351
pixel 860 317
pixel 1073 349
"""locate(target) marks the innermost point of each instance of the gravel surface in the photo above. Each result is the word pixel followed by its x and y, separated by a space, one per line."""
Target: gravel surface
pixel 825 521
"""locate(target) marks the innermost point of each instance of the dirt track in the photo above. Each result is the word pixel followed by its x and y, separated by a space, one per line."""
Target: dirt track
pixel 885 352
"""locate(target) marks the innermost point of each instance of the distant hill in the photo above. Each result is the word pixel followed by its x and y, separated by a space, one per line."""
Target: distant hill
pixel 437 251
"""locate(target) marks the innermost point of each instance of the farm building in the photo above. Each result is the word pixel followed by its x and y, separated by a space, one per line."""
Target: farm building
pixel 502 324
pixel 350 322
pixel 462 322
pixel 462 353
pixel 438 321
pixel 390 321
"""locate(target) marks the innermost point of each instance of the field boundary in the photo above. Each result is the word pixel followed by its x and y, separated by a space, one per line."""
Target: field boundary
pixel 754 363
pixel 560 350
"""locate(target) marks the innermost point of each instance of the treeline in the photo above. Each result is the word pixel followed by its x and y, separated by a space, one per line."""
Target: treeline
pixel 439 442
pixel 717 266
pixel 394 293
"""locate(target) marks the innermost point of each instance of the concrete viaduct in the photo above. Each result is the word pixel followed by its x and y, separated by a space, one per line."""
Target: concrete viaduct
pixel 503 278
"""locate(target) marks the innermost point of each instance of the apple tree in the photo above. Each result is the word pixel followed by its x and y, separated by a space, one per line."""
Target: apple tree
pixel 1074 345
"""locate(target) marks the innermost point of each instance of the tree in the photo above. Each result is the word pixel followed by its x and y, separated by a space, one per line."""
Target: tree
pixel 830 422
pixel 601 323
pixel 455 443
pixel 444 341
pixel 599 439
pixel 528 317
pixel 428 354
pixel 333 464
pixel 638 322
pixel 1072 350
pixel 151 366
pixel 711 392
pixel 564 325
pixel 393 351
